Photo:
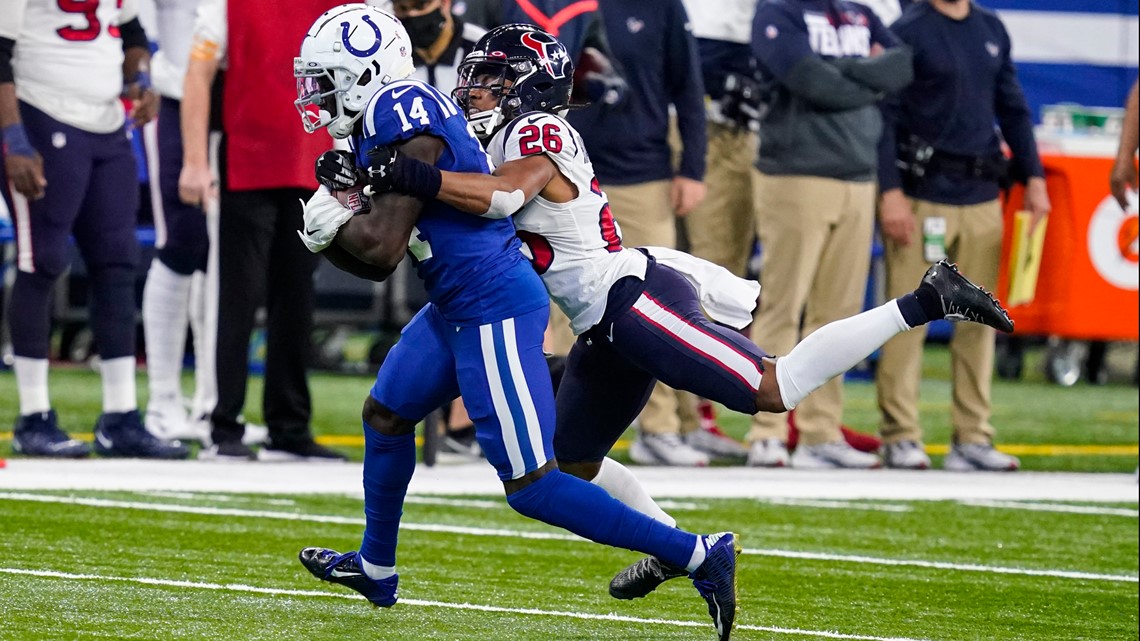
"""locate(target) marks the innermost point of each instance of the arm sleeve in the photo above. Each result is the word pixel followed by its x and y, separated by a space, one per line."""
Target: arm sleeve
pixel 889 177
pixel 211 31
pixel 687 93
pixel 1014 117
pixel 781 46
pixel 890 71
pixel 12 18
pixel 128 10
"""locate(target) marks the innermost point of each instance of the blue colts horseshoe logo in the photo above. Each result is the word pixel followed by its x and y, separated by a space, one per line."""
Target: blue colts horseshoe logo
pixel 360 53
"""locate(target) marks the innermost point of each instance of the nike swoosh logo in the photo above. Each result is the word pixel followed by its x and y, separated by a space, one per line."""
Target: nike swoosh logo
pixel 611 334
pixel 103 440
pixel 310 232
pixel 533 119
pixel 396 93
pixel 338 574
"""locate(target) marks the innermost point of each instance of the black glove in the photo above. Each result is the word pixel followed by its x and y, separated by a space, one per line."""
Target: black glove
pixel 390 170
pixel 336 170
pixel 605 89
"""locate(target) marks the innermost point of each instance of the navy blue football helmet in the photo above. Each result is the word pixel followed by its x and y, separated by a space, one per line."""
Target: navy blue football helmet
pixel 526 68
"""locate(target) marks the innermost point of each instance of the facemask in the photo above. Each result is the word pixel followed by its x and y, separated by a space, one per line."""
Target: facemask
pixel 425 30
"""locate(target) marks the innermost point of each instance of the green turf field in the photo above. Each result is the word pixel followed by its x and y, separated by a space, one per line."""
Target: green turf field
pixel 1102 419
pixel 176 565
pixel 135 569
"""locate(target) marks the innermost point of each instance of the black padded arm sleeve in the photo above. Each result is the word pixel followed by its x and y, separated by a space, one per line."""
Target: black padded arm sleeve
pixel 133 35
pixel 7 46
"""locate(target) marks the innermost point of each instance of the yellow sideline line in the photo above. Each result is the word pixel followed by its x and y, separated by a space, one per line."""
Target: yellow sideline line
pixel 348 440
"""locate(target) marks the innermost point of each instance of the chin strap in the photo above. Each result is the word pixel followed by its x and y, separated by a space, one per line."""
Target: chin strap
pixel 487 123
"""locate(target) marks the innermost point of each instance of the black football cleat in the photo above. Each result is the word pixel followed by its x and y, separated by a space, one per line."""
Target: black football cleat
pixel 39 434
pixel 121 434
pixel 643 577
pixel 345 569
pixel 962 300
pixel 715 579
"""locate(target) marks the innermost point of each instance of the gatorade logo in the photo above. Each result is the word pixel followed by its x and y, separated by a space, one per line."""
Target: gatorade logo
pixel 1114 243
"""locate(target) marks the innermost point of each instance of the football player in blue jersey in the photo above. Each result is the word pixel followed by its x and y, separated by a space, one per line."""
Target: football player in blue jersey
pixel 481 334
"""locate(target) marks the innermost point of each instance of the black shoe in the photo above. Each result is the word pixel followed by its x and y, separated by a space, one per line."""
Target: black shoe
pixel 345 569
pixel 291 450
pixel 123 434
pixel 39 435
pixel 963 300
pixel 643 577
pixel 230 451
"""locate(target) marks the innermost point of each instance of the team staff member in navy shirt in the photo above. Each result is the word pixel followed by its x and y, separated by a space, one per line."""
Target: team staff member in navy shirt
pixel 629 147
pixel 945 202
pixel 826 62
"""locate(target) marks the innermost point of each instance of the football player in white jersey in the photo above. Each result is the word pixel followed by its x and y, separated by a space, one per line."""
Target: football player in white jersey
pixel 63 68
pixel 637 312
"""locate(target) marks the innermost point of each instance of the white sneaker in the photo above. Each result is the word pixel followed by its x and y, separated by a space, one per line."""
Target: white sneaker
pixel 770 452
pixel 166 419
pixel 255 434
pixel 665 449
pixel 970 457
pixel 714 443
pixel 834 455
pixel 905 455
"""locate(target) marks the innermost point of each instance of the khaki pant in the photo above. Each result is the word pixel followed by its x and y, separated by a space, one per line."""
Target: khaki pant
pixel 722 228
pixel 815 235
pixel 973 240
pixel 645 214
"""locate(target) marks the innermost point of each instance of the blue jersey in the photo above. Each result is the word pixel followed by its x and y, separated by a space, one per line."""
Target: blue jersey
pixel 473 267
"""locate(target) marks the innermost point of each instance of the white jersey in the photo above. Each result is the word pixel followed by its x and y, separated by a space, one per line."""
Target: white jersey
pixel 729 20
pixel 69 63
pixel 575 246
pixel 174 30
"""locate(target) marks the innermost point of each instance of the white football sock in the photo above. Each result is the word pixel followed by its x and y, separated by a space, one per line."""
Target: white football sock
pixel 32 385
pixel 620 483
pixel 699 553
pixel 203 322
pixel 165 313
pixel 835 348
pixel 118 384
pixel 376 572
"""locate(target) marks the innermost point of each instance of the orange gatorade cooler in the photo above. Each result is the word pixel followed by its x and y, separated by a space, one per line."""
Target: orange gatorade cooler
pixel 1087 286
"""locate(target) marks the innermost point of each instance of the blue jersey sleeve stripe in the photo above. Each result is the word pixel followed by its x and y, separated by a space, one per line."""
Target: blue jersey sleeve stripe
pixel 448 104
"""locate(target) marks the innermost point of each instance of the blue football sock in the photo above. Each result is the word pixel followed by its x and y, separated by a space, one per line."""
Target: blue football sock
pixel 588 511
pixel 388 465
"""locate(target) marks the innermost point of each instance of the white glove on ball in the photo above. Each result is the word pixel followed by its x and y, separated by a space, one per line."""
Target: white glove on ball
pixel 324 216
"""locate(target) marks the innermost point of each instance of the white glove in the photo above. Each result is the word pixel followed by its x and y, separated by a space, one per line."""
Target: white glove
pixel 324 216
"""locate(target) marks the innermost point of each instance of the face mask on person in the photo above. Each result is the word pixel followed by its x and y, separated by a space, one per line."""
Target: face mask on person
pixel 425 30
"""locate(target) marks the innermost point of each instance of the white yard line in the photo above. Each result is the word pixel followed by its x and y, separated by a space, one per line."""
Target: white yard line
pixel 940 565
pixel 1055 507
pixel 237 587
pixel 546 536
pixel 839 505
pixel 478 479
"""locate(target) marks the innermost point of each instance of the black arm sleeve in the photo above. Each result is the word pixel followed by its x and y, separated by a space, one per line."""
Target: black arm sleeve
pixel 7 46
pixel 1016 120
pixel 133 35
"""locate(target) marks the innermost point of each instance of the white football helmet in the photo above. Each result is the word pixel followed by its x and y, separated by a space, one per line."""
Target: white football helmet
pixel 349 53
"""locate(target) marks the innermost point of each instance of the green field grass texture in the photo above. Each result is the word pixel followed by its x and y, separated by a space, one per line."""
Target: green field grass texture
pixel 1031 411
pixel 72 571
